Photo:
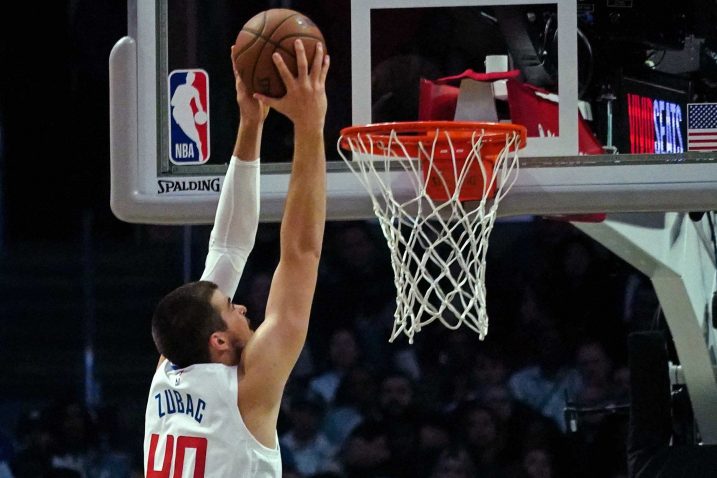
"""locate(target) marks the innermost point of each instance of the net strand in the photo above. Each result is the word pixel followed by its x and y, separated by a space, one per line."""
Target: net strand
pixel 438 248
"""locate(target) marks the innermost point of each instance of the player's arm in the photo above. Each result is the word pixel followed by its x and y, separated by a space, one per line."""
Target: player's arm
pixel 272 352
pixel 237 217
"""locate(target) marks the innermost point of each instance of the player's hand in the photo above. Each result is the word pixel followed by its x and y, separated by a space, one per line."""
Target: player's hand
pixel 250 109
pixel 305 100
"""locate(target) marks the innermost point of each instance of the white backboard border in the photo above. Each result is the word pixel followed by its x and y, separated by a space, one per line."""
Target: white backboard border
pixel 565 144
pixel 546 185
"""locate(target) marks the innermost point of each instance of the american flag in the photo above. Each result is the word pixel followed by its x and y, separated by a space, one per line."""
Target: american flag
pixel 702 127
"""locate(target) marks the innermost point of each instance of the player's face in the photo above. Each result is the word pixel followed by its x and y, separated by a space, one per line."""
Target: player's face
pixel 238 325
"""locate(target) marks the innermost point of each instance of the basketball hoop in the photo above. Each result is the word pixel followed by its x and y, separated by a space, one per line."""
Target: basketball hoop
pixel 435 187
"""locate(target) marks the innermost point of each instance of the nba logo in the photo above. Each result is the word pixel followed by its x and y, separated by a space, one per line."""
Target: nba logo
pixel 189 116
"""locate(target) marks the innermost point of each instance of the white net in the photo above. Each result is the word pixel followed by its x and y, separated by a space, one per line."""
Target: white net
pixel 438 247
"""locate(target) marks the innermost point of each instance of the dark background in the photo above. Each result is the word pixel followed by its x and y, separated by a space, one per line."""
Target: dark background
pixel 55 110
pixel 73 278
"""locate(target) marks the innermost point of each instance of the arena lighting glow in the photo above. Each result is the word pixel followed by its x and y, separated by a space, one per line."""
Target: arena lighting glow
pixel 655 125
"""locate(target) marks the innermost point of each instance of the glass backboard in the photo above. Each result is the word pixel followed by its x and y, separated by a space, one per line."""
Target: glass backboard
pixel 622 95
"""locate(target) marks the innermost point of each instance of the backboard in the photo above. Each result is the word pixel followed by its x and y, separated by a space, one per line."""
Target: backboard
pixel 628 66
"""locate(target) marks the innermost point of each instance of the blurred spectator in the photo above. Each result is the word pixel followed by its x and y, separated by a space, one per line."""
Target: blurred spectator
pixel 343 354
pixel 400 416
pixel 543 386
pixel 396 397
pixel 434 436
pixel 489 370
pixel 290 473
pixel 595 371
pixel 534 313
pixel 288 464
pixel 455 366
pixel 311 450
pixel 484 439
pixel 537 463
pixel 406 360
pixel 34 443
pixel 458 353
pixel 542 433
pixel 66 441
pixel 454 463
pixel 6 453
pixel 77 445
pixel 606 455
pixel 512 414
pixel 594 365
pixel 585 291
pixel 355 400
pixel 621 383
pixel 366 453
pixel 640 308
pixel 514 418
pixel 359 283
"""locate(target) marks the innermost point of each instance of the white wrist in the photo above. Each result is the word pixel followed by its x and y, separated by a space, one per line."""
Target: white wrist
pixel 243 162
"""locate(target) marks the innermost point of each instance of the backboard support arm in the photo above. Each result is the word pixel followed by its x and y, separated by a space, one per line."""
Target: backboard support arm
pixel 677 255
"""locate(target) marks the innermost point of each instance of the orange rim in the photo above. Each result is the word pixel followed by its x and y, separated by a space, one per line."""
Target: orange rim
pixel 414 132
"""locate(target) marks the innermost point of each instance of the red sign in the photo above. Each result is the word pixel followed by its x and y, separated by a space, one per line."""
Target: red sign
pixel 655 125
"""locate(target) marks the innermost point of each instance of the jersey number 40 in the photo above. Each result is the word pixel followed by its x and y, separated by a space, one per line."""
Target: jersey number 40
pixel 174 455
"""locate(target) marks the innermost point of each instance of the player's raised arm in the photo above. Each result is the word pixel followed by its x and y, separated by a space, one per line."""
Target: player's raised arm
pixel 237 216
pixel 271 354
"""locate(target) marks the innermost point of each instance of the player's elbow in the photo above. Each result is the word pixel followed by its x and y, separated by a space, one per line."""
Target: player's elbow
pixel 292 330
pixel 296 327
pixel 303 247
pixel 307 253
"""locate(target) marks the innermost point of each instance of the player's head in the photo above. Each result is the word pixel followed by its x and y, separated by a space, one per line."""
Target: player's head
pixel 196 323
pixel 190 77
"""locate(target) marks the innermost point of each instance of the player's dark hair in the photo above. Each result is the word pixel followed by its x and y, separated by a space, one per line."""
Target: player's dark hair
pixel 183 322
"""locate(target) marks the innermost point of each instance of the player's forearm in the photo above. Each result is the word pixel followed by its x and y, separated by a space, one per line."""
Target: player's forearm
pixel 302 227
pixel 248 142
pixel 238 211
pixel 235 226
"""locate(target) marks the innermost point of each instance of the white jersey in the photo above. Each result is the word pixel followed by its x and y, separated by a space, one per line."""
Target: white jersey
pixel 193 428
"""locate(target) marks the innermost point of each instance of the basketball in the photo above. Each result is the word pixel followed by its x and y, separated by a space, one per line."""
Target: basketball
pixel 269 31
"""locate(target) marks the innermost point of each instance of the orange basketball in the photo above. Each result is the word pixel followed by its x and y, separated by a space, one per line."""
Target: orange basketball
pixel 270 31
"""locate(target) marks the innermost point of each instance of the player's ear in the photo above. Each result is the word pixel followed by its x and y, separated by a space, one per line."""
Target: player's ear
pixel 218 341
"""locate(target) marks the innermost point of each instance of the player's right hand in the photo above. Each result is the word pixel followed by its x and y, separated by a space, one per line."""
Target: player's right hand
pixel 305 100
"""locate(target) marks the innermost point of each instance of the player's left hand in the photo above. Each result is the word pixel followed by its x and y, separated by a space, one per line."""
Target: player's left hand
pixel 250 109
